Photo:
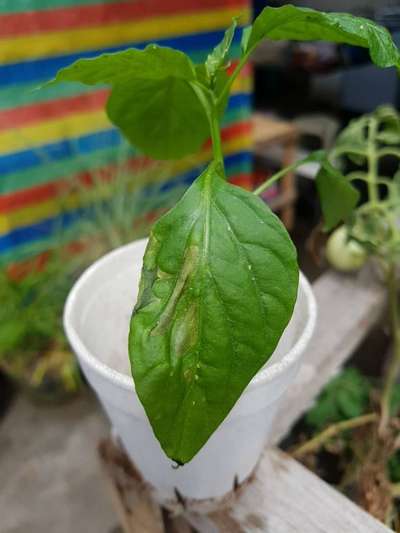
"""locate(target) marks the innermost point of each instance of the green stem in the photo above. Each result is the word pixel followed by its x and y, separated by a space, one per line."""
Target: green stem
pixel 232 77
pixel 389 151
pixel 314 157
pixel 394 365
pixel 209 104
pixel 273 179
pixel 372 156
pixel 320 439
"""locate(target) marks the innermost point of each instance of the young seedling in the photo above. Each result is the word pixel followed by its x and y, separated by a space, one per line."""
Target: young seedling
pixel 220 273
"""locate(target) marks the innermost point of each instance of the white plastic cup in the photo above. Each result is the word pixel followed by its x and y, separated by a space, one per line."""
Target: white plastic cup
pixel 96 321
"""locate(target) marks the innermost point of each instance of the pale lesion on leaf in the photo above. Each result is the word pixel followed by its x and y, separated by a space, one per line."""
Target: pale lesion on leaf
pixel 167 315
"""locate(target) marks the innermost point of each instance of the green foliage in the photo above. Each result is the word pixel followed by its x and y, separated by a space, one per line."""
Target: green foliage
pixel 303 24
pixel 210 311
pixel 365 141
pixel 220 277
pixel 337 196
pixel 30 314
pixel 345 397
pixel 152 99
pixel 216 60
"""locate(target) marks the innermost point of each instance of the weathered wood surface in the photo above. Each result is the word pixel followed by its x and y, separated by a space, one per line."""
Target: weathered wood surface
pixel 136 509
pixel 283 496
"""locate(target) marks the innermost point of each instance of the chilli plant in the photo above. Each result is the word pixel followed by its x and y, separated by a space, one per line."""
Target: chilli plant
pixel 220 273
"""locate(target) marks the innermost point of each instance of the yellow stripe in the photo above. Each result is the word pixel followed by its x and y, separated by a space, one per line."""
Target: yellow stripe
pixel 64 128
pixel 52 131
pixel 64 42
pixel 50 208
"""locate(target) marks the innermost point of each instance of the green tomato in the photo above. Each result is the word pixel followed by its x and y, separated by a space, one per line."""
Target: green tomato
pixel 342 254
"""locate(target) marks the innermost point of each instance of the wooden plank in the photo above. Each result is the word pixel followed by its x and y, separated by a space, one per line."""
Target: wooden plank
pixel 137 511
pixel 267 130
pixel 285 497
pixel 348 307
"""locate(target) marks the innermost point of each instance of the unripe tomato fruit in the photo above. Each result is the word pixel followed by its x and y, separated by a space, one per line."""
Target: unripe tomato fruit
pixel 342 254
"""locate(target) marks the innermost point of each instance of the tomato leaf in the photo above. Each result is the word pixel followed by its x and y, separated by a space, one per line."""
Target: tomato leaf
pixel 304 24
pixel 151 101
pixel 218 56
pixel 337 196
pixel 210 310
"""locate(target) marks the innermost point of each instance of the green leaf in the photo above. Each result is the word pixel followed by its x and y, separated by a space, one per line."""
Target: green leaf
pixel 210 310
pixel 246 32
pixel 303 24
pixel 216 60
pixel 345 397
pixel 151 101
pixel 337 196
pixel 353 141
pixel 389 121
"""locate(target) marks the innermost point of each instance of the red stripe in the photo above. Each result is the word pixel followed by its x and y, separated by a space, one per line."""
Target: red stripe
pixel 42 193
pixel 24 115
pixel 101 14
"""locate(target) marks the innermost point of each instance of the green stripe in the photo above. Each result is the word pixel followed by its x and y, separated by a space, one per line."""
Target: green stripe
pixel 49 172
pixel 20 6
pixel 29 93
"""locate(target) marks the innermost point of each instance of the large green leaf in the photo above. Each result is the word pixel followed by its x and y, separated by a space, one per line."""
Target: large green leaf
pixel 152 99
pixel 304 24
pixel 210 310
pixel 337 196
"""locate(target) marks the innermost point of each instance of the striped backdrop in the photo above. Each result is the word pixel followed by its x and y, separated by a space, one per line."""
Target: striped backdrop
pixel 50 134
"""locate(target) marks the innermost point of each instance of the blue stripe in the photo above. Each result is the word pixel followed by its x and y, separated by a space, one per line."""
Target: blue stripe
pixel 46 68
pixel 46 228
pixel 67 148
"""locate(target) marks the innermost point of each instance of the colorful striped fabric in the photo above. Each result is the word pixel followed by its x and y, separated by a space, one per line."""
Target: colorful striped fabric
pixel 48 135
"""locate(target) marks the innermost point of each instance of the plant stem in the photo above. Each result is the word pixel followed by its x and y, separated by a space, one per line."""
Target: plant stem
pixel 314 157
pixel 233 76
pixel 273 179
pixel 216 136
pixel 210 107
pixel 394 365
pixel 373 160
pixel 335 429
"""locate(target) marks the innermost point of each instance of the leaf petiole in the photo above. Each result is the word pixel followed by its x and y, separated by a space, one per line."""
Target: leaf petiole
pixel 317 156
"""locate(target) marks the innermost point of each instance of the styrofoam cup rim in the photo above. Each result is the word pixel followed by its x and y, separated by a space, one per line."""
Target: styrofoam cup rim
pixel 266 374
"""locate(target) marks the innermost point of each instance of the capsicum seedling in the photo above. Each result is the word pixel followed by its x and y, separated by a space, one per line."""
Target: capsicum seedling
pixel 220 274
